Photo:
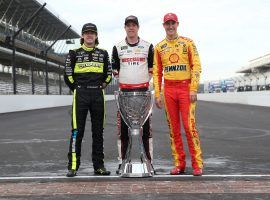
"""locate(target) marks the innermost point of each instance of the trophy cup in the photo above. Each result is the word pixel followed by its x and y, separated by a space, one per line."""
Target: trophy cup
pixel 135 108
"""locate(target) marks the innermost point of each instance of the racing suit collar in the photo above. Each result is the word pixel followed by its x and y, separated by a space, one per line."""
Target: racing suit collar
pixel 87 48
pixel 133 45
pixel 173 40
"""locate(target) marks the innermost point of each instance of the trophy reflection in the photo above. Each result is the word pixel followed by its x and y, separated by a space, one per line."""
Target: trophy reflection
pixel 135 108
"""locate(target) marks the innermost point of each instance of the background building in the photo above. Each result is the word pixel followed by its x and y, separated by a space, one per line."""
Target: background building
pixel 254 77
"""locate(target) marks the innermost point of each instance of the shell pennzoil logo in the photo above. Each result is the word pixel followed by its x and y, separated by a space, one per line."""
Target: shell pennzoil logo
pixel 174 58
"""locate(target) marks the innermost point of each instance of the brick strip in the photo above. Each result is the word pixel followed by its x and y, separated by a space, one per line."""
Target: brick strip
pixel 133 187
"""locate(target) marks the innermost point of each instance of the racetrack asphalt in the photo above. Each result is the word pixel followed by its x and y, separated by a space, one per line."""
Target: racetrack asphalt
pixel 234 138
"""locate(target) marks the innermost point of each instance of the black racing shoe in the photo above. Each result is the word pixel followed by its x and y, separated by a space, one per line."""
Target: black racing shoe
pixel 118 170
pixel 71 173
pixel 102 172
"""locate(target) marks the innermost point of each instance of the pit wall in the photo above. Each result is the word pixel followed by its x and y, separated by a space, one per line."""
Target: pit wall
pixel 257 98
pixel 14 103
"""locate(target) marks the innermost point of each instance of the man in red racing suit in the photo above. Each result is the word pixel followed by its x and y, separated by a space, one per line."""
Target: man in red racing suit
pixel 177 61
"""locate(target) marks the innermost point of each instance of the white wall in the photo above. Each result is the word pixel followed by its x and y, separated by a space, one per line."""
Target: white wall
pixel 13 103
pixel 258 98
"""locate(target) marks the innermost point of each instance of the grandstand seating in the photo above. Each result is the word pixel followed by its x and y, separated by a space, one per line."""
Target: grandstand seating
pixel 33 39
pixel 24 85
pixel 29 45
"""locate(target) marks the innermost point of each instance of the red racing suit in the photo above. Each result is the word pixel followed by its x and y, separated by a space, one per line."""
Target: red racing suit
pixel 178 62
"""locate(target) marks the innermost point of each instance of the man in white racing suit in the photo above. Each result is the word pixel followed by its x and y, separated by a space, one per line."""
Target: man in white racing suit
pixel 132 62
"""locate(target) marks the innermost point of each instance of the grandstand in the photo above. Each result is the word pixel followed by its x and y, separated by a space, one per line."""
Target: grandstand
pixel 256 74
pixel 254 77
pixel 40 41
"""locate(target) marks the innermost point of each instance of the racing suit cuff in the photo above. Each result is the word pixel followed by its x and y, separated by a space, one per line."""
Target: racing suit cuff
pixel 104 85
pixel 72 87
pixel 193 89
pixel 157 94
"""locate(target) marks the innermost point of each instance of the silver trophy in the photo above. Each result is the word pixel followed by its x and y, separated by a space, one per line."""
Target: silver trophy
pixel 135 108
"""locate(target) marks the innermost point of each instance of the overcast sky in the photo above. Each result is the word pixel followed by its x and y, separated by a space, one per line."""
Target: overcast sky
pixel 227 33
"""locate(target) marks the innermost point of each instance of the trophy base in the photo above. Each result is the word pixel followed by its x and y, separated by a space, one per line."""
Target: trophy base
pixel 137 170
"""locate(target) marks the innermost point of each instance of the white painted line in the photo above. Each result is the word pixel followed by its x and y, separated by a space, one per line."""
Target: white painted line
pixel 217 175
pixel 156 176
pixel 56 177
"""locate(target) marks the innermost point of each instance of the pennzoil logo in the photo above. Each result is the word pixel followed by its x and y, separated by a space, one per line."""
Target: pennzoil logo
pixel 174 58
pixel 175 68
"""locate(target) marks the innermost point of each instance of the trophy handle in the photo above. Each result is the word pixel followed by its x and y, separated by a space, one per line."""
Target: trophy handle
pixel 151 106
pixel 116 96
